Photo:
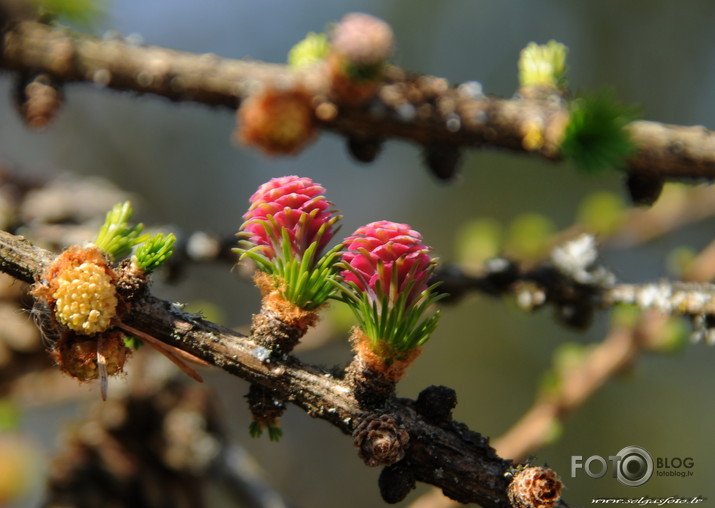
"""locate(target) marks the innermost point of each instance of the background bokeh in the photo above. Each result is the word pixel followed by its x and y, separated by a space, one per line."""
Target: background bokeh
pixel 179 162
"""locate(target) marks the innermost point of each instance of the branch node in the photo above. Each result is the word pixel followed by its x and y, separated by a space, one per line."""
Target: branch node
pixel 396 481
pixel 435 403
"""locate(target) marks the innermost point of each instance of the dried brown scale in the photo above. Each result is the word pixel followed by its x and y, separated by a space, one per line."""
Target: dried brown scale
pixel 535 487
pixel 76 355
pixel 381 440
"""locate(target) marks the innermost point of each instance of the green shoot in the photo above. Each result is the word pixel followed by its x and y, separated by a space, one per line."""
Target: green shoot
pixel 154 252
pixel 115 237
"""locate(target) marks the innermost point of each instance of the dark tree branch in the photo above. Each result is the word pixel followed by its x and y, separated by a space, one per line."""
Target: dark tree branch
pixel 20 259
pixel 421 109
pixel 446 454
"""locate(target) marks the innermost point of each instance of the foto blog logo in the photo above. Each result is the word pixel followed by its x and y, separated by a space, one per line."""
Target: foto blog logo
pixel 632 466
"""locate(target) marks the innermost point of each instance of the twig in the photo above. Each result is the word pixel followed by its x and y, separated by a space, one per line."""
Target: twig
pixel 447 454
pixel 618 350
pixel 571 280
pixel 674 209
pixel 443 116
pixel 682 298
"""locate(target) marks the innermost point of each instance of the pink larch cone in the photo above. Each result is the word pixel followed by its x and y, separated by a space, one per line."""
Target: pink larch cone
pixel 386 268
pixel 395 247
pixel 295 204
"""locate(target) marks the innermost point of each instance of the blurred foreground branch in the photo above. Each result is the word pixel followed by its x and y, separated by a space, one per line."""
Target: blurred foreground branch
pixel 422 109
pixel 163 442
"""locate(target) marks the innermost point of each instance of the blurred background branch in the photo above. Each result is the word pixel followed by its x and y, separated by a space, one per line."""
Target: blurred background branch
pixel 422 109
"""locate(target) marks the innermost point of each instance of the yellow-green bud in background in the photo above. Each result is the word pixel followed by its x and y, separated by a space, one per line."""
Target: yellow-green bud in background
pixel 528 236
pixel 314 48
pixel 543 65
pixel 602 213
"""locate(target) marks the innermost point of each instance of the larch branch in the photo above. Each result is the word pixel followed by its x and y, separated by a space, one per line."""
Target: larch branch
pixel 445 454
pixel 421 109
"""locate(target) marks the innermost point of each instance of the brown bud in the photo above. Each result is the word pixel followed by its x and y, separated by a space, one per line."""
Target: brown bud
pixel 643 189
pixel 278 122
pixel 380 439
pixel 443 160
pixel 38 100
pixel 365 148
pixel 535 487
